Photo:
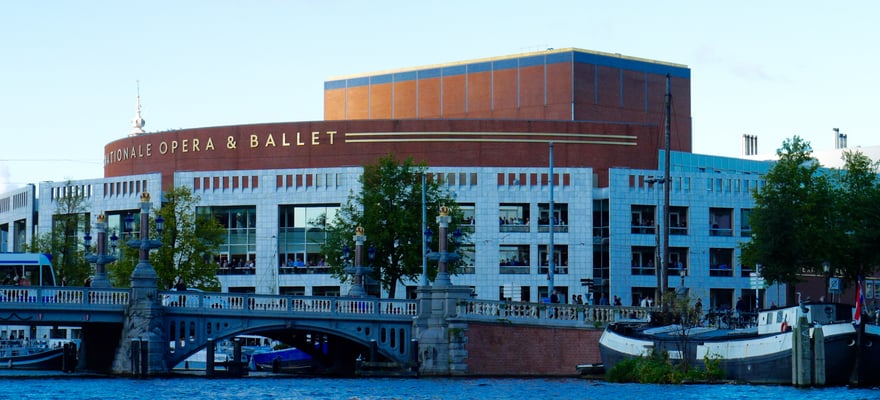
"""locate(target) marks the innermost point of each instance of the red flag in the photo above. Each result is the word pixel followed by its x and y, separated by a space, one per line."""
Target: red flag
pixel 857 319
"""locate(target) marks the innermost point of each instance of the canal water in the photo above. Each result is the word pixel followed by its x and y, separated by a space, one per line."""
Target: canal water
pixel 80 387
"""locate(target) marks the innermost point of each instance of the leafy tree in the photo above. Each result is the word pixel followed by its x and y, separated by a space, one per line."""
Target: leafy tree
pixel 389 208
pixel 71 217
pixel 806 216
pixel 189 242
pixel 857 226
pixel 792 216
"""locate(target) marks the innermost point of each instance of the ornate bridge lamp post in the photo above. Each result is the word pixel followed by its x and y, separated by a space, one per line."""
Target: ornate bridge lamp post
pixel 144 275
pixel 101 258
pixel 442 255
pixel 144 350
pixel 358 270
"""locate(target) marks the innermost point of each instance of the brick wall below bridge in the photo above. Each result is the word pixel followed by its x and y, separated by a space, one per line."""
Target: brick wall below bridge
pixel 495 349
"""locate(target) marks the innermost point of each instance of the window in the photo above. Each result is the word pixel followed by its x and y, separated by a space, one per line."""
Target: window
pixel 643 260
pixel 514 259
pixel 560 259
pixel 720 262
pixel 302 231
pixel 720 221
pixel 237 253
pixel 678 217
pixel 513 218
pixel 560 217
pixel 468 214
pixel 678 260
pixel 745 225
pixel 643 219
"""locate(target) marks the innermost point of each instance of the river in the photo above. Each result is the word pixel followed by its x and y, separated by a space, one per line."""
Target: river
pixel 84 387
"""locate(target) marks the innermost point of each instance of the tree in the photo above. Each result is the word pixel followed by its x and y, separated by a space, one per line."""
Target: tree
pixel 858 218
pixel 189 242
pixel 389 208
pixel 71 217
pixel 792 215
pixel 806 216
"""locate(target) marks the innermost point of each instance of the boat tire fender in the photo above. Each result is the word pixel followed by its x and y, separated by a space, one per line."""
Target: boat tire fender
pixel 784 327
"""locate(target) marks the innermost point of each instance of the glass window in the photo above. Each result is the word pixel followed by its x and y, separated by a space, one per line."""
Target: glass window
pixel 302 232
pixel 513 217
pixel 560 217
pixel 643 219
pixel 514 259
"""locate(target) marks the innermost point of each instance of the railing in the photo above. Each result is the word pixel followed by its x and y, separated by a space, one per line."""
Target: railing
pixel 493 310
pixel 207 302
pixel 63 295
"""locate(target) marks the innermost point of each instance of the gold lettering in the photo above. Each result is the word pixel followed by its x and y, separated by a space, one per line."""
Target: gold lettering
pixel 230 142
pixel 184 148
pixel 270 141
pixel 163 147
pixel 195 145
pixel 149 149
pixel 174 146
pixel 118 154
pixel 315 137
pixel 210 145
pixel 299 140
pixel 284 141
pixel 331 134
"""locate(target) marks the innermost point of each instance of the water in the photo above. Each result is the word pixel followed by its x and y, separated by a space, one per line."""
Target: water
pixel 68 387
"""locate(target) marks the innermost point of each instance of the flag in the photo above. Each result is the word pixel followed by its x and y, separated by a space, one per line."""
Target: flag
pixel 860 300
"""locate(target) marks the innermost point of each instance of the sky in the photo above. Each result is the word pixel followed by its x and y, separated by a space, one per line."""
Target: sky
pixel 70 70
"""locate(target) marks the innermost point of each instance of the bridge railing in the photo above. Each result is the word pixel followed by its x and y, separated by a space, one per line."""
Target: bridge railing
pixel 566 314
pixel 217 302
pixel 63 295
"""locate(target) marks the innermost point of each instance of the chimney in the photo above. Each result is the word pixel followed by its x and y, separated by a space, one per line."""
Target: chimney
pixel 749 145
pixel 839 139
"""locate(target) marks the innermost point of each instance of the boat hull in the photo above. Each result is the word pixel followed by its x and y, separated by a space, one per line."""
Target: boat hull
pixel 285 360
pixel 51 359
pixel 746 357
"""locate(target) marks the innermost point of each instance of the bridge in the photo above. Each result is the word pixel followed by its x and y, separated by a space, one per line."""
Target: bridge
pixel 422 333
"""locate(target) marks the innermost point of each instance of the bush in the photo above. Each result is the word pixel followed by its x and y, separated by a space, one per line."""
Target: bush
pixel 657 368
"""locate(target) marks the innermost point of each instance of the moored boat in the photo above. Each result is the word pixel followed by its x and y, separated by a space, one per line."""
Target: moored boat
pixel 38 354
pixel 288 360
pixel 758 354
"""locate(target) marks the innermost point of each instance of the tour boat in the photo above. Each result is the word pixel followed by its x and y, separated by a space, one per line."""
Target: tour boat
pixel 762 353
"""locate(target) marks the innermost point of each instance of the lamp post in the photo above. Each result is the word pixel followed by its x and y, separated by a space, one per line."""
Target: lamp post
pixel 144 275
pixel 826 268
pixel 101 258
pixel 442 255
pixel 358 270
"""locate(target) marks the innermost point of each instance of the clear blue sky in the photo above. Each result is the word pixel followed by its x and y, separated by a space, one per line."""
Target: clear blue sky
pixel 68 70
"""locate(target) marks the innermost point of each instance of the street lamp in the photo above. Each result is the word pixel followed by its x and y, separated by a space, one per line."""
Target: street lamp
pixel 442 255
pixel 144 275
pixel 101 258
pixel 826 267
pixel 358 270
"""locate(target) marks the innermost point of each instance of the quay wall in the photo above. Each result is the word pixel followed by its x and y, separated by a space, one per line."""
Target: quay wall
pixel 521 350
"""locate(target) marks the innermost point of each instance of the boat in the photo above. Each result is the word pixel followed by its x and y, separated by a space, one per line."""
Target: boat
pixel 287 360
pixel 50 354
pixel 760 354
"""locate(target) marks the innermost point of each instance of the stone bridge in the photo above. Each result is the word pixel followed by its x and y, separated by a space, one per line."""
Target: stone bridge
pixel 429 333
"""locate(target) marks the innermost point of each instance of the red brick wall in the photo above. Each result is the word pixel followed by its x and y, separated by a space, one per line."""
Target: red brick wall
pixel 495 349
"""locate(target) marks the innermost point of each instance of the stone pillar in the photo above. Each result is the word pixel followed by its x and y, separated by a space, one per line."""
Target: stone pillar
pixel 441 340
pixel 144 315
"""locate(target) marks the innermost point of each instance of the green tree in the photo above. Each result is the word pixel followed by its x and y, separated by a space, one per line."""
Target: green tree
pixel 389 208
pixel 63 242
pixel 856 230
pixel 189 242
pixel 792 216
